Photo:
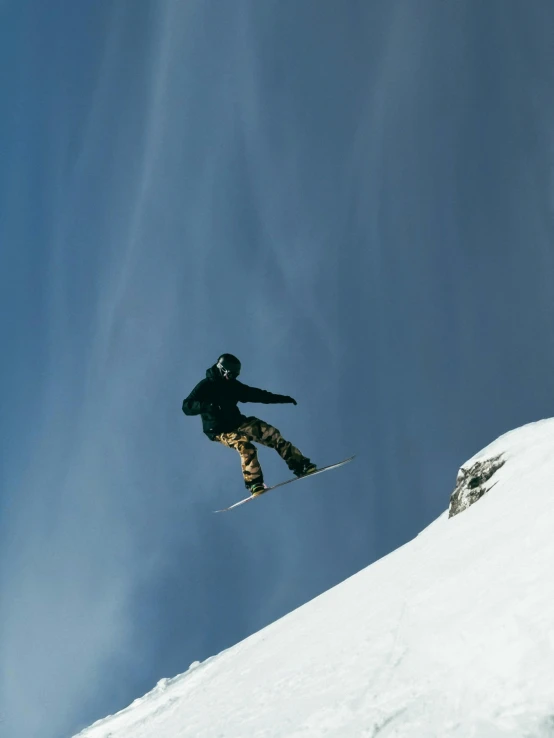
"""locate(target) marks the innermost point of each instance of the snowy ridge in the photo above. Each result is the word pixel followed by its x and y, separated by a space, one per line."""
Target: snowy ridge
pixel 450 636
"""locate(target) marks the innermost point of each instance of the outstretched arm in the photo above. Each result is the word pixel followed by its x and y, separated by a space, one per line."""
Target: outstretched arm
pixel 253 394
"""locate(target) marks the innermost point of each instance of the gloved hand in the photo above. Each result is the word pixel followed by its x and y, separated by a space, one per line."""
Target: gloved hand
pixel 290 400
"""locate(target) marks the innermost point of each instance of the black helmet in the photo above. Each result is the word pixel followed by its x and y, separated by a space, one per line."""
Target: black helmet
pixel 229 366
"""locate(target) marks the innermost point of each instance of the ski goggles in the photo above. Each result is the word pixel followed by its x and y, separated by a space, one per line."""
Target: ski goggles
pixel 227 373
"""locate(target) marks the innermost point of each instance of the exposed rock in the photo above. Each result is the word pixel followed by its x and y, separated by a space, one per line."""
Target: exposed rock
pixel 471 484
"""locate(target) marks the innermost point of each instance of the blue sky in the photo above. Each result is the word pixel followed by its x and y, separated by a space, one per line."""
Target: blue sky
pixel 355 199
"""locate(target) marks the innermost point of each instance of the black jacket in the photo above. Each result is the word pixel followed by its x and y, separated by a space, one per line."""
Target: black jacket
pixel 215 399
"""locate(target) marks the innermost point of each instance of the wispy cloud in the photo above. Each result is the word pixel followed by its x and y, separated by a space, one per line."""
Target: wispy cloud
pixel 78 547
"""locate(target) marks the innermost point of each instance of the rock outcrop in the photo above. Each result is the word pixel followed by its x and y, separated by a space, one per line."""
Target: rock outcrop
pixel 473 483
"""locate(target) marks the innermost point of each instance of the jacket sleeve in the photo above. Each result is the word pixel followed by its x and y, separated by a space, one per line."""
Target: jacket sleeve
pixel 253 394
pixel 197 402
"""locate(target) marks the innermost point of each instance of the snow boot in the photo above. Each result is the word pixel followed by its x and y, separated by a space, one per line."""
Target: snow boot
pixel 307 467
pixel 256 488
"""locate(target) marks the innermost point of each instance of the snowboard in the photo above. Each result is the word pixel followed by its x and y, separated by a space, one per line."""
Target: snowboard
pixel 288 481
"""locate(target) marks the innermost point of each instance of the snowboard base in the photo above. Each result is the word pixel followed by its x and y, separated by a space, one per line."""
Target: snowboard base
pixel 288 481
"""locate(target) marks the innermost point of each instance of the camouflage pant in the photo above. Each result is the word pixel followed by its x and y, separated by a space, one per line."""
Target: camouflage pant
pixel 254 429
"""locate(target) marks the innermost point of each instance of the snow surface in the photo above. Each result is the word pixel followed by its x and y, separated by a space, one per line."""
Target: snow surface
pixel 450 636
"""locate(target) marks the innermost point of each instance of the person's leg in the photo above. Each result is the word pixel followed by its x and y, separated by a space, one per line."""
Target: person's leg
pixel 251 469
pixel 264 433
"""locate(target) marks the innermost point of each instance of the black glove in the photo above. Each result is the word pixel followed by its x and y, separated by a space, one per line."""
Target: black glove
pixel 290 400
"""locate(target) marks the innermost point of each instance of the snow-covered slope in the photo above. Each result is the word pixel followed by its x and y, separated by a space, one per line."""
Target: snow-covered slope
pixel 450 636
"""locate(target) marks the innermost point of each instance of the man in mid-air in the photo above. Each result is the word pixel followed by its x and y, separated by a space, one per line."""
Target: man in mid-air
pixel 215 399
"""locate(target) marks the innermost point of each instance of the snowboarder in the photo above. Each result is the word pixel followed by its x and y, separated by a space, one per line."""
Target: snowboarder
pixel 215 399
